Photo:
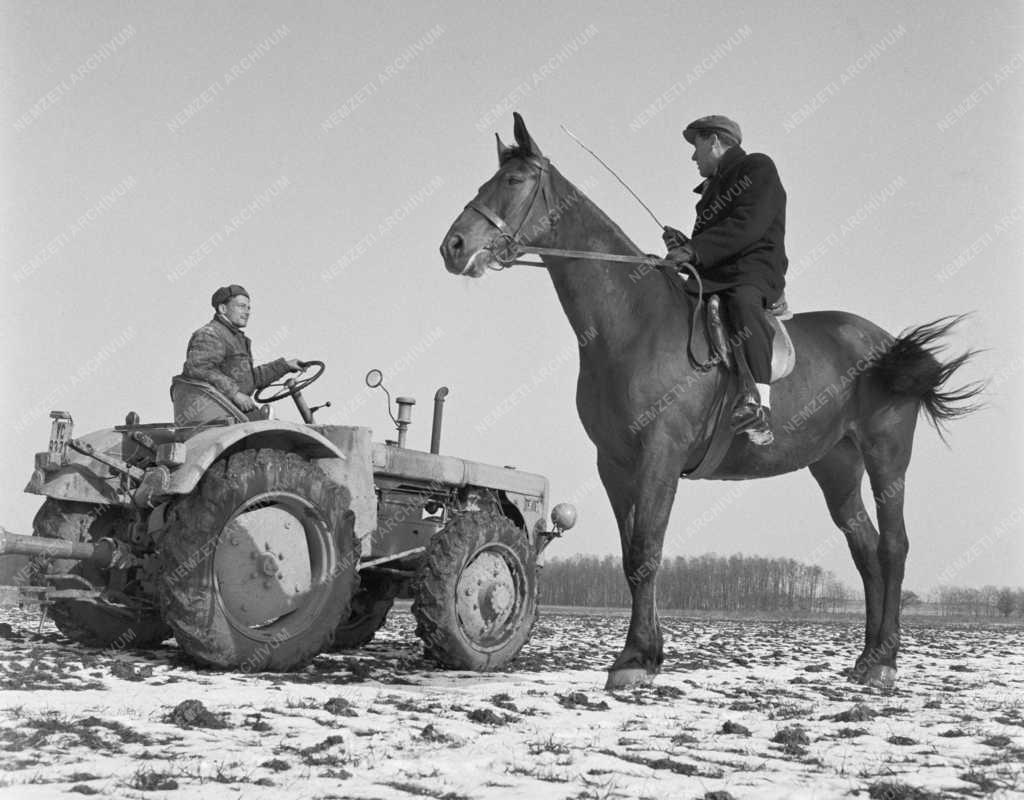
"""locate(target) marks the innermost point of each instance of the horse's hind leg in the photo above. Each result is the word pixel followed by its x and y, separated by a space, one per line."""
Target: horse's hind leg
pixel 886 450
pixel 839 474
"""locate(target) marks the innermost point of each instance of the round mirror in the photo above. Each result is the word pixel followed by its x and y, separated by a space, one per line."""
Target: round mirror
pixel 374 378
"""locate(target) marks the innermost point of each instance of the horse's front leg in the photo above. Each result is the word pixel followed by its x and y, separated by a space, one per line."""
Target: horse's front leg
pixel 642 501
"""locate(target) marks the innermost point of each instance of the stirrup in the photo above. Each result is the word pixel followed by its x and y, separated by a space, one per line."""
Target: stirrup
pixel 744 412
pixel 758 427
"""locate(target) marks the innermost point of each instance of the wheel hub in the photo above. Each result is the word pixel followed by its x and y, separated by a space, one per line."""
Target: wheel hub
pixel 486 596
pixel 262 565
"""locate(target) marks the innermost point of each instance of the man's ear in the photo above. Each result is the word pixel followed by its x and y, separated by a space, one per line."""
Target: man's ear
pixel 722 146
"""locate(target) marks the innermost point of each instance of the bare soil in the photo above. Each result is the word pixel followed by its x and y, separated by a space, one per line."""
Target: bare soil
pixel 743 709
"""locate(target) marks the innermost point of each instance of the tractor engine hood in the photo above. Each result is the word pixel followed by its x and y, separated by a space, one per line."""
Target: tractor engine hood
pixel 417 466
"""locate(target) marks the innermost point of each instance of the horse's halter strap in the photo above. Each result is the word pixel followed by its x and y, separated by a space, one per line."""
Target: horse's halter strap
pixel 505 246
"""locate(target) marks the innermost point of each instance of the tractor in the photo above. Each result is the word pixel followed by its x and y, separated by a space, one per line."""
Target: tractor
pixel 260 544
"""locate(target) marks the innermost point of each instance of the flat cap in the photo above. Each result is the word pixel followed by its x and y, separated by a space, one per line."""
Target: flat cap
pixel 225 293
pixel 716 123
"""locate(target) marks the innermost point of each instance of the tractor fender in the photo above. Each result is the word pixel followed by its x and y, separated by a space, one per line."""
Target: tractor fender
pixel 207 447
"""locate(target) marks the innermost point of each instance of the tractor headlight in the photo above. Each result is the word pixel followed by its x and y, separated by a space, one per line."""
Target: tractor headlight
pixel 563 516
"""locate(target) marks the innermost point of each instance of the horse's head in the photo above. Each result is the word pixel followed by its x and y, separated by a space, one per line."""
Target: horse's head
pixel 512 209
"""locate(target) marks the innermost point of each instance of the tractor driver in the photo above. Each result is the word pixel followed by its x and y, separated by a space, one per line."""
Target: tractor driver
pixel 218 379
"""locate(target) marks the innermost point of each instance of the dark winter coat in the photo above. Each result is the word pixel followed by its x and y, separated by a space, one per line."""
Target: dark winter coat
pixel 221 355
pixel 741 225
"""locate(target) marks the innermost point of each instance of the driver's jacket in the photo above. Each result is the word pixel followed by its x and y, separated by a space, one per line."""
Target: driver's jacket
pixel 220 355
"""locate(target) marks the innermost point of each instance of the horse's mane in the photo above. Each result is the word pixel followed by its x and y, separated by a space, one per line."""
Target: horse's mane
pixel 512 152
pixel 601 216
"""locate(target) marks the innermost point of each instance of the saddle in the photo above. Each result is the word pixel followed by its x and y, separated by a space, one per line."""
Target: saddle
pixel 719 345
pixel 721 342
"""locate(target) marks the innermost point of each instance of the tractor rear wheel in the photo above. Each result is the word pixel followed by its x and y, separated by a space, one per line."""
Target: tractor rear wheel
pixel 102 624
pixel 476 593
pixel 258 563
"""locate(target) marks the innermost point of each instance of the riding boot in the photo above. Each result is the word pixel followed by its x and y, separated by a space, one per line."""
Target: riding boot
pixel 749 416
pixel 745 307
pixel 747 401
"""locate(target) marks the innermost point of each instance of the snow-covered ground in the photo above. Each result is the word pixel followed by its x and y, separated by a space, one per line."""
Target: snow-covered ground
pixel 743 709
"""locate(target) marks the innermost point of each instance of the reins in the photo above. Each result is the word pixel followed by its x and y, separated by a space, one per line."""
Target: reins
pixel 506 250
pixel 654 261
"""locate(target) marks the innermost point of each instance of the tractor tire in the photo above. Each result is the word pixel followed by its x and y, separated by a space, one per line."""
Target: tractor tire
pixel 89 623
pixel 229 592
pixel 368 615
pixel 476 592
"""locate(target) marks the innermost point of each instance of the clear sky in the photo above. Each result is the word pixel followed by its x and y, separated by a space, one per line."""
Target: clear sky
pixel 317 152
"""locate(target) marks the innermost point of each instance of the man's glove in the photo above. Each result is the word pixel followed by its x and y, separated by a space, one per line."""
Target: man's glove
pixel 682 254
pixel 673 237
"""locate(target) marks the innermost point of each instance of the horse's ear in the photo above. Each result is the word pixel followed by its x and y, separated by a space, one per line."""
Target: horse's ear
pixel 527 146
pixel 504 151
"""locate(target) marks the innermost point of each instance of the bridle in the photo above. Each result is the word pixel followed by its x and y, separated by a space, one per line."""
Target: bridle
pixel 505 246
pixel 507 251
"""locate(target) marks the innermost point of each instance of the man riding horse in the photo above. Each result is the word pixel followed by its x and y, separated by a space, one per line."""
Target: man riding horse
pixel 739 252
pixel 876 384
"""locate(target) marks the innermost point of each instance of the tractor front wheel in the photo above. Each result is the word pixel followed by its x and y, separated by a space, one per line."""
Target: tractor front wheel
pixel 476 593
pixel 258 563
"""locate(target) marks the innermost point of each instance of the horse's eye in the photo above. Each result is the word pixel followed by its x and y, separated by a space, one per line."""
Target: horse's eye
pixel 513 179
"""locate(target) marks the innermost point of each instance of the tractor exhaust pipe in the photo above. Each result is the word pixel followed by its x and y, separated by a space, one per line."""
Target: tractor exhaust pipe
pixel 435 431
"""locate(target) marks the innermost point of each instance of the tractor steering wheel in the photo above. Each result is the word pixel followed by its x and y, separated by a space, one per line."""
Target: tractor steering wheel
pixel 289 387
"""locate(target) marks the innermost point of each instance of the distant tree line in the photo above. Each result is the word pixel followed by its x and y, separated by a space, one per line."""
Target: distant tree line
pixel 754 583
pixel 700 583
pixel 988 601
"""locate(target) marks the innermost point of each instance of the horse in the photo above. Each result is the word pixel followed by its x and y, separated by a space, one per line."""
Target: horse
pixel 849 405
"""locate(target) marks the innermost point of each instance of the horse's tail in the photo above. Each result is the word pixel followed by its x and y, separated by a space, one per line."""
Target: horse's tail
pixel 911 367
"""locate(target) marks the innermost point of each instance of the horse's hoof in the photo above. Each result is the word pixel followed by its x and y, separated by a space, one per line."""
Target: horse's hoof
pixel 881 677
pixel 627 678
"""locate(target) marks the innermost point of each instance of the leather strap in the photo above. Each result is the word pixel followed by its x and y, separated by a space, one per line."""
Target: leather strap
pixel 491 216
pixel 721 437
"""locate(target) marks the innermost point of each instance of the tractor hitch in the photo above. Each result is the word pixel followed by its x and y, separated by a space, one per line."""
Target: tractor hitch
pixel 104 553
